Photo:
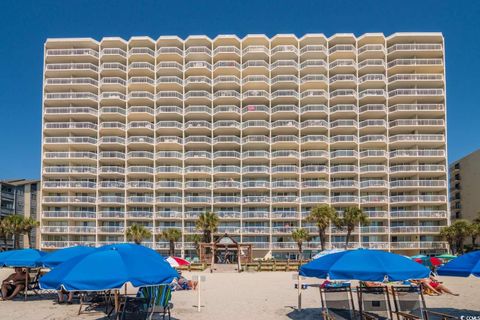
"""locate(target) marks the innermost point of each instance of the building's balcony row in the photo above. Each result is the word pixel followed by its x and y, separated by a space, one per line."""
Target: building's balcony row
pixel 250 66
pixel 430 139
pixel 290 184
pixel 278 125
pixel 290 109
pixel 203 95
pixel 185 51
pixel 246 199
pixel 225 168
pixel 280 214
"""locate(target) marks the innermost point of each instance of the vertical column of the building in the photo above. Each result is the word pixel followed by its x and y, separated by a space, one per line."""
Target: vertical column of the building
pixel 240 111
pixel 373 145
pixel 270 139
pixel 169 140
pixel 357 151
pixel 417 136
pixel 343 130
pixel 156 235
pixel 69 146
pixel 112 142
pixel 389 149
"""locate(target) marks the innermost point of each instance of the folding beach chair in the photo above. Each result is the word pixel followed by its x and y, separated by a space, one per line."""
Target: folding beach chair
pixel 410 304
pixel 337 303
pixel 374 302
pixel 158 300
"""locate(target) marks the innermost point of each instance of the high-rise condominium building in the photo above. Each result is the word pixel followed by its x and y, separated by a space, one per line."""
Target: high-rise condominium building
pixel 258 130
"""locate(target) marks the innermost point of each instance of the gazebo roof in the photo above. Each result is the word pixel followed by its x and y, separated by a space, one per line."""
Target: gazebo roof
pixel 226 240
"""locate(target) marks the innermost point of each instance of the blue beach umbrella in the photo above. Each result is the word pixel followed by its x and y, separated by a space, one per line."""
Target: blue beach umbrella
pixel 366 265
pixel 27 258
pixel 53 259
pixel 110 267
pixel 463 266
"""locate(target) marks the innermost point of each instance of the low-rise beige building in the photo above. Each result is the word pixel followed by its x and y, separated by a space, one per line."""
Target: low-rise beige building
pixel 465 187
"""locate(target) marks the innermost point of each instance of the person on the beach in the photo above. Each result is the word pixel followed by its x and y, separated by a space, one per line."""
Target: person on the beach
pixel 15 283
pixel 185 284
pixel 61 296
pixel 437 287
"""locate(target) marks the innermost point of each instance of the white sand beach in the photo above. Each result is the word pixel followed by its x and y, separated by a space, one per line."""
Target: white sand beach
pixel 232 296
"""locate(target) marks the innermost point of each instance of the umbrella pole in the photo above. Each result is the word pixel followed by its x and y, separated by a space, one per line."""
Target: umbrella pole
pixel 116 301
pixel 299 290
pixel 26 284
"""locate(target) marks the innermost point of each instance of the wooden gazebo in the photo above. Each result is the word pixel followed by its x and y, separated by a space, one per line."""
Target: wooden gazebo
pixel 209 252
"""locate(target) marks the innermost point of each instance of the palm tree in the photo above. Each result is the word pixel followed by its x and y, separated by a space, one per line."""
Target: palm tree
pixel 322 216
pixel 172 236
pixel 28 225
pixel 352 216
pixel 137 233
pixel 196 239
pixel 4 232
pixel 455 235
pixel 14 225
pixel 207 223
pixel 299 236
pixel 474 232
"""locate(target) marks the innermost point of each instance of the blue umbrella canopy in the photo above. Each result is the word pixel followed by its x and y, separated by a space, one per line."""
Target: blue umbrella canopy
pixel 53 259
pixel 21 258
pixel 110 267
pixel 463 266
pixel 366 265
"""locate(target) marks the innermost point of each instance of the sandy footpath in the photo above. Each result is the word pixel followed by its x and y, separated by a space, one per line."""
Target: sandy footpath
pixel 265 295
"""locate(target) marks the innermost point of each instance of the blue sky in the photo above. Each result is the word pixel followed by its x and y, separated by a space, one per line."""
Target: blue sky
pixel 25 25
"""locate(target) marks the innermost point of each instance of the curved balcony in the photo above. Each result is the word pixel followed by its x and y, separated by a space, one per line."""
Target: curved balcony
pixel 140 200
pixel 376 184
pixel 227 185
pixel 314 111
pixel 344 199
pixel 111 171
pixel 315 184
pixel 255 67
pixel 169 171
pixel 314 81
pixel 313 66
pixel 408 199
pixel 342 66
pixel 342 80
pixel 344 184
pixel 170 142
pixel 159 200
pixel 258 199
pixel 226 142
pixel 373 141
pixel 284 142
pixel 223 112
pixel 198 127
pixel 111 185
pixel 197 171
pixel 170 68
pixel 313 96
pixel 168 185
pixel 255 97
pixel 404 140
pixel 58 70
pixel 140 214
pixel 250 112
pixel 140 185
pixel 198 68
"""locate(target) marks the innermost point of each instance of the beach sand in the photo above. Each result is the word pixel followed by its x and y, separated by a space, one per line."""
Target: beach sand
pixel 257 295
